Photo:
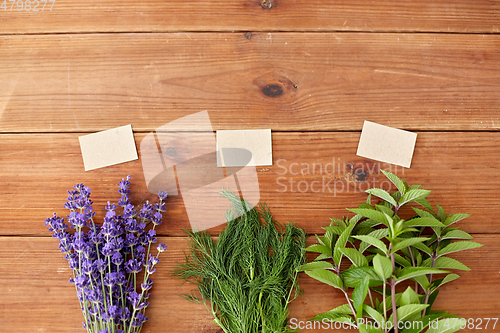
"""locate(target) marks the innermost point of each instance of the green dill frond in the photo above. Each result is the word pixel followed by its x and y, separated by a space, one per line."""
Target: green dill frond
pixel 248 276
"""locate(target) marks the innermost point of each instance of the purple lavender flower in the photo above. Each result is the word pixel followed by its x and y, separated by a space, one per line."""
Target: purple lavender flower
pixel 162 195
pixel 79 245
pixel 55 223
pixel 151 264
pixel 140 320
pixel 157 218
pixel 108 249
pixel 100 265
pixel 130 240
pixel 113 311
pixel 146 211
pixel 146 286
pixel 81 281
pixel 133 266
pixel 107 259
pixel 110 279
pixel 140 252
pixel 129 211
pixel 134 298
pixel 73 262
pixel 88 267
pixel 117 258
pixel 77 219
pixel 150 236
pixel 125 315
pixel 162 247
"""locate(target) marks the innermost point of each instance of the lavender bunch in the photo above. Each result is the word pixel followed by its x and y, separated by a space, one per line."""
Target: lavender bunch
pixel 111 263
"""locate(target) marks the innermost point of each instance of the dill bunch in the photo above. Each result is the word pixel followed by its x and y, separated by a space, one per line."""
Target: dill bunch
pixel 246 278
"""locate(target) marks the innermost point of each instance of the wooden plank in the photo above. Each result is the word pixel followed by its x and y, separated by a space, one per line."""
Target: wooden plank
pixel 253 15
pixel 460 169
pixel 35 295
pixel 313 81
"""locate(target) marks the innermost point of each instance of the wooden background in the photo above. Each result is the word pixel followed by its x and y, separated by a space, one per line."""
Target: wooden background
pixel 429 66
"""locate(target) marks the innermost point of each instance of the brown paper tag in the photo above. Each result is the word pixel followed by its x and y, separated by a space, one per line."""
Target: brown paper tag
pixel 110 147
pixel 386 144
pixel 237 148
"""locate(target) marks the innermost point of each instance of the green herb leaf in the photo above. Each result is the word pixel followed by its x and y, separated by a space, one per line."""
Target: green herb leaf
pixel 405 242
pixel 341 242
pixel 423 213
pixel 400 184
pixel 456 234
pixel 374 314
pixel 378 234
pixel 336 230
pixel 383 195
pixel 401 260
pixel 385 209
pixel 382 266
pixel 422 247
pixel 446 263
pixel 316 265
pixel 373 241
pixel 354 256
pixel 458 246
pixel 423 222
pixel 326 276
pixel 370 213
pixel 339 313
pixel 355 219
pixel 333 317
pixel 410 272
pixel 423 281
pixel 353 277
pixel 406 311
pixel 358 297
pixel 411 195
pixel 448 278
pixel 424 203
pixel 409 297
pixel 441 214
pixel 455 218
pixel 319 249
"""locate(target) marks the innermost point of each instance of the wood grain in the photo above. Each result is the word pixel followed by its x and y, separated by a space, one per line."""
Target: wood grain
pixel 312 71
pixel 459 168
pixel 35 283
pixel 254 15
pixel 321 81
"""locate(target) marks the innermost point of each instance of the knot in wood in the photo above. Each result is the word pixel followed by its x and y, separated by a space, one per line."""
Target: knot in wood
pixel 266 4
pixel 272 90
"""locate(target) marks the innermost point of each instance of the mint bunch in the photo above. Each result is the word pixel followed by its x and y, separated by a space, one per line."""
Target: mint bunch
pixel 395 267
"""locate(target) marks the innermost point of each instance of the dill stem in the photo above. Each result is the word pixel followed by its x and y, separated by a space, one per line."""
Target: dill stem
pixel 261 312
